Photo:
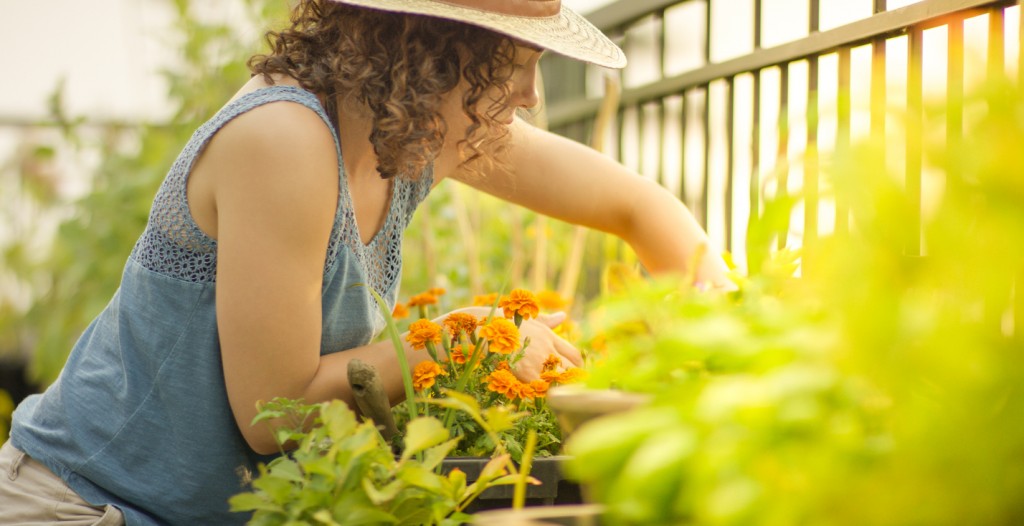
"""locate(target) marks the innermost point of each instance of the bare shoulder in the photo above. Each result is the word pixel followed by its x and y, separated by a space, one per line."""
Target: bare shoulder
pixel 280 152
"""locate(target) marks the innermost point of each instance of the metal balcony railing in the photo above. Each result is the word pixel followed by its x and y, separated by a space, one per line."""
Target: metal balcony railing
pixel 723 130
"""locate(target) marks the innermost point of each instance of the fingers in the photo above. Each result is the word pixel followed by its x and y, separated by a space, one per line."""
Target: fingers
pixel 569 353
pixel 571 356
pixel 552 320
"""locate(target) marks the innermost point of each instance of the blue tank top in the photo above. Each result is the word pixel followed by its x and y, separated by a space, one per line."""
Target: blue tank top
pixel 139 416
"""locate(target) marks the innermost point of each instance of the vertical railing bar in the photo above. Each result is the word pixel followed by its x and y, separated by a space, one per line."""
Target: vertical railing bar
pixel 954 96
pixel 782 157
pixel 814 10
pixel 663 43
pixel 915 114
pixel 878 88
pixel 641 140
pixel 730 174
pixel 683 126
pixel 705 194
pixel 1020 69
pixel 811 157
pixel 660 115
pixel 878 83
pixel 621 133
pixel 755 140
pixel 707 32
pixel 758 9
pixel 755 150
pixel 705 209
pixel 996 43
pixel 811 167
pixel 843 133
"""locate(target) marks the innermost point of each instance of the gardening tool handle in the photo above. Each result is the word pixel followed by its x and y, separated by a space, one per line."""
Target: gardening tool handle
pixel 370 397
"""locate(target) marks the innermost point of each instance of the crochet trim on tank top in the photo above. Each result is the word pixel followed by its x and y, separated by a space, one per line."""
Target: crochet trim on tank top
pixel 174 246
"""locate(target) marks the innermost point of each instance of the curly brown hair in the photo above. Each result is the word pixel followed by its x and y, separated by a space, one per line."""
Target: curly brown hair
pixel 400 67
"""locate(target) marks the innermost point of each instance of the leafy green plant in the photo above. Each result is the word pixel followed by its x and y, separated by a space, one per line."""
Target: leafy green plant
pixel 881 388
pixel 341 470
pixel 471 357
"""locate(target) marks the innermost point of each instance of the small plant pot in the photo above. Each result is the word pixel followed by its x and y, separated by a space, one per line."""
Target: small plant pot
pixel 553 489
pixel 575 404
pixel 574 515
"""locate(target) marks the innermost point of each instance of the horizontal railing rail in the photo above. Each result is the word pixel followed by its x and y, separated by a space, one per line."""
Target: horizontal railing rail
pixel 719 133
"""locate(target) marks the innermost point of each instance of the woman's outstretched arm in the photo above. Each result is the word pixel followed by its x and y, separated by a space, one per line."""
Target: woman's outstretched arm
pixel 566 180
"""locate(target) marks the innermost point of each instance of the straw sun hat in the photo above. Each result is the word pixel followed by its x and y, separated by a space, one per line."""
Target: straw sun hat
pixel 544 23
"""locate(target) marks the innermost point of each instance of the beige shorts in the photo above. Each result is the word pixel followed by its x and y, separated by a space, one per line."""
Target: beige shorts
pixel 31 495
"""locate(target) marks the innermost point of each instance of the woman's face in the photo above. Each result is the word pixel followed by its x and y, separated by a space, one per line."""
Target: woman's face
pixel 522 93
pixel 522 85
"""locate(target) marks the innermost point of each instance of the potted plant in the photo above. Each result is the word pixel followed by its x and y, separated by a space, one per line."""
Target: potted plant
pixel 469 436
pixel 471 357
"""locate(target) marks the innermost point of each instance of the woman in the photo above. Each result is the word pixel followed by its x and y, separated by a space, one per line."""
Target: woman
pixel 243 286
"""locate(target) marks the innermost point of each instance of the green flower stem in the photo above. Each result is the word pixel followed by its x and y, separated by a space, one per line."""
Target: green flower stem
pixel 519 494
pixel 460 385
pixel 432 352
pixel 403 360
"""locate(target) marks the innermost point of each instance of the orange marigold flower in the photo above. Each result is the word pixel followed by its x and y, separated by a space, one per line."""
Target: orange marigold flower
pixel 552 363
pixel 521 302
pixel 437 291
pixel 502 335
pixel 503 366
pixel 400 311
pixel 502 382
pixel 525 391
pixel 485 300
pixel 422 331
pixel 571 375
pixel 463 322
pixel 457 355
pixel 425 373
pixel 550 376
pixel 550 300
pixel 540 388
pixel 422 300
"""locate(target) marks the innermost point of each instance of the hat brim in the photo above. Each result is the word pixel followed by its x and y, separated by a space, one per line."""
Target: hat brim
pixel 566 33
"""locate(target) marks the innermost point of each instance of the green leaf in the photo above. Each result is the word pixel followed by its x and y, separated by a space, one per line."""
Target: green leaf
pixel 461 401
pixel 251 502
pixel 363 515
pixel 416 475
pixel 457 481
pixel 338 419
pixel 437 454
pixel 287 471
pixel 278 490
pixel 500 418
pixel 324 517
pixel 422 433
pixel 599 448
pixel 380 496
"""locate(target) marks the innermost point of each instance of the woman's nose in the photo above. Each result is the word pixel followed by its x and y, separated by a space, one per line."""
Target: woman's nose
pixel 524 93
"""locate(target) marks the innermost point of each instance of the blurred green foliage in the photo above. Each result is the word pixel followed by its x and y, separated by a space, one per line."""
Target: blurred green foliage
pixel 467 243
pixel 73 281
pixel 882 388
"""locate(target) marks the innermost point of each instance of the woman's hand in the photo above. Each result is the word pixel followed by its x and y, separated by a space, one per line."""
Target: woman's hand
pixel 543 343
